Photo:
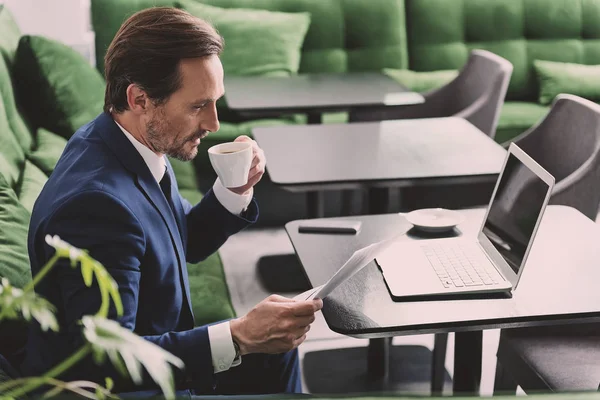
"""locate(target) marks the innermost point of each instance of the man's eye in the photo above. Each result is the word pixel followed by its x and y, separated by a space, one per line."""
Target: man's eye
pixel 200 107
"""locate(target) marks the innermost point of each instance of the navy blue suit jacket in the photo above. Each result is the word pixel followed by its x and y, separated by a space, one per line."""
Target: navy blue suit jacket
pixel 103 198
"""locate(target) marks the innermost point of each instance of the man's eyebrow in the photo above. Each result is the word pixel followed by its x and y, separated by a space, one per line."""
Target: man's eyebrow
pixel 201 101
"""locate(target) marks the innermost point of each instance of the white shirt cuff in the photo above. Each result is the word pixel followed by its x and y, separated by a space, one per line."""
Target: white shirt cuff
pixel 233 202
pixel 221 347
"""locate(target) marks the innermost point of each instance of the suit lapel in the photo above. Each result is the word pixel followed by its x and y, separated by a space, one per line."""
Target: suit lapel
pixel 133 161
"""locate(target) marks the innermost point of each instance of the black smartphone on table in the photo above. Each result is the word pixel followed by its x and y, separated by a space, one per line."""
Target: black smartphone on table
pixel 334 226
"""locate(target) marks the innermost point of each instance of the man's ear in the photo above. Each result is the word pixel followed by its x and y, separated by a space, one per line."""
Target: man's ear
pixel 137 99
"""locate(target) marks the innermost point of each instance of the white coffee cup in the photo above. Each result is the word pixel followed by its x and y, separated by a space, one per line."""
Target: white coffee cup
pixel 231 161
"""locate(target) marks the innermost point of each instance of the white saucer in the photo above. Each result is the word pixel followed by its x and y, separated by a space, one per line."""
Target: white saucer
pixel 434 219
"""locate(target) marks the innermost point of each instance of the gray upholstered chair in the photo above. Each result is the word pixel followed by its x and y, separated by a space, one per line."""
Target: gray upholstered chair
pixel 564 357
pixel 476 94
pixel 567 144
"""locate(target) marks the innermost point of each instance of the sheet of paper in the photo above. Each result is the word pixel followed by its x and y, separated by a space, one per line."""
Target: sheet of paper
pixel 308 295
pixel 355 263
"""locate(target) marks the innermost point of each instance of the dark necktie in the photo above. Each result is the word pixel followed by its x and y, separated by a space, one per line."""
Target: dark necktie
pixel 165 185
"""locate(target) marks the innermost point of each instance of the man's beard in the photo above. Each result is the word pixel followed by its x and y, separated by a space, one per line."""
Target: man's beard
pixel 158 131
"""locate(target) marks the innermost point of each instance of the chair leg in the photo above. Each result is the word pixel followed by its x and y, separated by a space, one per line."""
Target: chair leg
pixel 438 368
pixel 348 197
pixel 504 383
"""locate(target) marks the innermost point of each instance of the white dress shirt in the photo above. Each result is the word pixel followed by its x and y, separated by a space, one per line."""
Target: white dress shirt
pixel 219 335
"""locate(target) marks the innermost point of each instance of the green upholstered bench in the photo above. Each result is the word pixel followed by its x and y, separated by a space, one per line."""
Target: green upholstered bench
pixel 441 32
pixel 332 44
pixel 420 35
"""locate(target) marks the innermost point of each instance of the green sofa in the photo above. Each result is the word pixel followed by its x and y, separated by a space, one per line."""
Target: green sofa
pixel 329 45
pixel 420 35
pixel 422 43
pixel 441 33
pixel 27 155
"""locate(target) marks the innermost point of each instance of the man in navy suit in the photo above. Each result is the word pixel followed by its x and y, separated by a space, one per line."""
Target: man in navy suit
pixel 113 193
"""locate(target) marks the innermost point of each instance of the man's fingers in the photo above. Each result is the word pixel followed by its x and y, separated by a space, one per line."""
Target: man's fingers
pixel 257 169
pixel 305 308
pixel 299 341
pixel 280 299
pixel 302 331
pixel 253 180
pixel 303 322
pixel 243 138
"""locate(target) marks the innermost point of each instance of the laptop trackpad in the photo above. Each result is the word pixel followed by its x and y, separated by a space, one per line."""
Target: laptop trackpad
pixel 407 271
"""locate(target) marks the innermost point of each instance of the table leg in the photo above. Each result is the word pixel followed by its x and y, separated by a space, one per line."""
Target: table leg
pixel 314 118
pixel 378 358
pixel 378 200
pixel 347 199
pixel 438 369
pixel 315 202
pixel 467 362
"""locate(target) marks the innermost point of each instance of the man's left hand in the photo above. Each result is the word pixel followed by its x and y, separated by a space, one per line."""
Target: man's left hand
pixel 257 168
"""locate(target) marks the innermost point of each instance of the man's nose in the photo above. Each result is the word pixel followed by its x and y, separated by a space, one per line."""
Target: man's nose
pixel 211 122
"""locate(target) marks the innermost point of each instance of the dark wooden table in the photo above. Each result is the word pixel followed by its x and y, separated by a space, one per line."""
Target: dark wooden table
pixel 559 285
pixel 398 153
pixel 314 94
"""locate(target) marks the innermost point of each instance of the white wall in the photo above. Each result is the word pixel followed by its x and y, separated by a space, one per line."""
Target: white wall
pixel 67 21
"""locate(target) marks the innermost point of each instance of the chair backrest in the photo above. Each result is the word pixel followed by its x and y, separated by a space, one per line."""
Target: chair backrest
pixel 567 144
pixel 479 90
pixel 476 94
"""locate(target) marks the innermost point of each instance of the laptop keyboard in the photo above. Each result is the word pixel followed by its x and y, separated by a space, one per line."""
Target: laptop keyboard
pixel 457 265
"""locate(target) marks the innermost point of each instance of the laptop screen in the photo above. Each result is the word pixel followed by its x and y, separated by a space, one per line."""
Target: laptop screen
pixel 514 211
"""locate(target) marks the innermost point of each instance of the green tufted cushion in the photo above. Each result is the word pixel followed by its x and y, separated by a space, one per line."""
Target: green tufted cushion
pixel 33 180
pixel 343 35
pixel 518 30
pixel 12 156
pixel 9 41
pixel 60 90
pixel 375 34
pixel 192 195
pixel 257 42
pixel 556 78
pixel 9 35
pixel 14 222
pixel 210 296
pixel 49 148
pixel 421 81
pixel 107 17
pixel 184 173
pixel 15 121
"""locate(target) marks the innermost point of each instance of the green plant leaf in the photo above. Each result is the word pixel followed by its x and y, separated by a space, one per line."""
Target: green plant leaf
pixel 109 337
pixel 15 302
pixel 90 268
pixel 118 362
pixel 108 382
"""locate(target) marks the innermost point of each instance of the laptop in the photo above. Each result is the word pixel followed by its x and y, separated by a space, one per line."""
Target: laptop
pixel 493 261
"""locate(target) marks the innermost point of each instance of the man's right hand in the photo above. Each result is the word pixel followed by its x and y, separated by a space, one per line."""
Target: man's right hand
pixel 275 325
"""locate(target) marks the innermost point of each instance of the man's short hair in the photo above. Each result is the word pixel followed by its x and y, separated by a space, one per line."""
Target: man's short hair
pixel 147 49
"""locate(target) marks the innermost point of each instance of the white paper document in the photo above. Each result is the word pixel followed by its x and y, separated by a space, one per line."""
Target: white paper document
pixel 359 260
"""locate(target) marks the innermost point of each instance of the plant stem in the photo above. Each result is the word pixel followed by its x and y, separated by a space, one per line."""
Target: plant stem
pixel 43 272
pixel 59 369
